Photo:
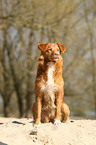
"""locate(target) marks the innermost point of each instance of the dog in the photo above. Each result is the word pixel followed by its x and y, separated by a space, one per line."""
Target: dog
pixel 49 86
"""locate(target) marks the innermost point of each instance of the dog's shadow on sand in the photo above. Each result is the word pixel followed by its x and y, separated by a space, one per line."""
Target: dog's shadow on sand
pixel 1 143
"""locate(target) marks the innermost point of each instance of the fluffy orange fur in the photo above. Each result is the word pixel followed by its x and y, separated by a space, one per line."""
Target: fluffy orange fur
pixel 49 85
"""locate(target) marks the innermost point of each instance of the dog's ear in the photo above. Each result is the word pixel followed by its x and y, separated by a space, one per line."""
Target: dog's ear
pixel 42 46
pixel 62 47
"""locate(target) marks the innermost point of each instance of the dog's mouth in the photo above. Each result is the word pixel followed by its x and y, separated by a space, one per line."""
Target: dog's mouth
pixel 55 58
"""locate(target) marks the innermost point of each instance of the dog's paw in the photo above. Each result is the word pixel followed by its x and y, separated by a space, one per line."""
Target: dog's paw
pixel 36 125
pixel 57 122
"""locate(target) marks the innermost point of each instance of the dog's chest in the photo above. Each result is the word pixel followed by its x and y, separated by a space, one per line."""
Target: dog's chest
pixel 51 69
pixel 50 87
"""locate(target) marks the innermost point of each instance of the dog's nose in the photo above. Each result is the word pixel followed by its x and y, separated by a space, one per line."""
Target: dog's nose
pixel 56 54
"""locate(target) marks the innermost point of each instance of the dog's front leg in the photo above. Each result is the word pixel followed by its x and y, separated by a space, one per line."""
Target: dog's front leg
pixel 38 110
pixel 58 108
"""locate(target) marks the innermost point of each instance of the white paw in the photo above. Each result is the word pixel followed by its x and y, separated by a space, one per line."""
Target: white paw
pixel 36 126
pixel 57 122
pixel 67 121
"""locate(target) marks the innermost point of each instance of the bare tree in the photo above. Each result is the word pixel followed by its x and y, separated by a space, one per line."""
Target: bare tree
pixel 26 23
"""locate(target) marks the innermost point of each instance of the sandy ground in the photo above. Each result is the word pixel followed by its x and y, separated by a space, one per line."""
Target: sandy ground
pixel 21 132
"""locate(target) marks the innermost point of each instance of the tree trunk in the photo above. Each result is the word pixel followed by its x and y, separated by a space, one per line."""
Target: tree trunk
pixel 6 108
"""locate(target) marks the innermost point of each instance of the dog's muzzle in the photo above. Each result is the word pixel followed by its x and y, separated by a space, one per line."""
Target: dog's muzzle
pixel 56 56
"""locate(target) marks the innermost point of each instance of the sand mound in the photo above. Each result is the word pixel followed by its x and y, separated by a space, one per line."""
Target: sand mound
pixel 21 132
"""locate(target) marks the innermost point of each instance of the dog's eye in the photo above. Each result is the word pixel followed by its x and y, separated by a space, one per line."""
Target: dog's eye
pixel 50 49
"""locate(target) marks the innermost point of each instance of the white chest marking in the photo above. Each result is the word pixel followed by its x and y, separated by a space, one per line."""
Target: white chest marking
pixel 50 87
pixel 51 68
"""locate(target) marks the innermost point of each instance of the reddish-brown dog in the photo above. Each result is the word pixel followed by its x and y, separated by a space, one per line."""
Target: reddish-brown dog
pixel 49 84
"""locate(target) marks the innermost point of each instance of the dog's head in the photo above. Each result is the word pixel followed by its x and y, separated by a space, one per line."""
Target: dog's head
pixel 51 51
